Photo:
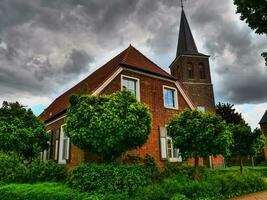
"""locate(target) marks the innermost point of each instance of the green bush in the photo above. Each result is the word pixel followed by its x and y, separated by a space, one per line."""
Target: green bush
pixel 47 191
pixel 103 178
pixel 46 171
pixel 12 170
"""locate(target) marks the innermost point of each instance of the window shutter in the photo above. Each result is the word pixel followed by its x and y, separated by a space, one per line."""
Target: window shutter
pixel 68 149
pixel 163 142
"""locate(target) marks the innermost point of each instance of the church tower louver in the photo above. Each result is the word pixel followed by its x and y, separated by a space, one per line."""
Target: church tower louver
pixel 192 68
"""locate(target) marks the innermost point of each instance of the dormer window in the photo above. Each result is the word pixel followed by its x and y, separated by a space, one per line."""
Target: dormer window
pixel 202 72
pixel 190 70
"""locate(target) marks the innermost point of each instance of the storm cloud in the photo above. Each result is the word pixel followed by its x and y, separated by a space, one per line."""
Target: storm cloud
pixel 46 46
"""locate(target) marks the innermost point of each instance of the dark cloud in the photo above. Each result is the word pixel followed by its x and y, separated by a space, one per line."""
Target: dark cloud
pixel 43 43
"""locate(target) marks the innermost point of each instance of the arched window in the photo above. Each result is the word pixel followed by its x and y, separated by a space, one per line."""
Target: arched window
pixel 202 72
pixel 190 70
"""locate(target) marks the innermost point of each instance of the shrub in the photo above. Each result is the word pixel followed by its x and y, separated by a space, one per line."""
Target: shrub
pixel 179 197
pixel 103 178
pixel 12 170
pixel 44 171
pixel 47 191
pixel 151 166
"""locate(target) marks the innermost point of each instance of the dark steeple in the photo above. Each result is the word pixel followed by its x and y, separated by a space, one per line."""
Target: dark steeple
pixel 186 42
pixel 264 118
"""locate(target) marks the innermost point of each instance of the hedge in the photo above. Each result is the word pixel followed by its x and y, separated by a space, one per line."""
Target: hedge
pixel 103 178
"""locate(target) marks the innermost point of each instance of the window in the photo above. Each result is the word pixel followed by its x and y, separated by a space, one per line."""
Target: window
pixel 131 84
pixel 202 72
pixel 201 108
pixel 64 147
pixel 190 70
pixel 57 144
pixel 170 97
pixel 45 155
pixel 168 152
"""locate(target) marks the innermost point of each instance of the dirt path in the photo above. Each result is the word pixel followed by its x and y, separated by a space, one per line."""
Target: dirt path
pixel 254 196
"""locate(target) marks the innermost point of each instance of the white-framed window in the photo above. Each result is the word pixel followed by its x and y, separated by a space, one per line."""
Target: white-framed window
pixel 64 147
pixel 201 108
pixel 131 84
pixel 170 97
pixel 45 155
pixel 167 150
pixel 56 150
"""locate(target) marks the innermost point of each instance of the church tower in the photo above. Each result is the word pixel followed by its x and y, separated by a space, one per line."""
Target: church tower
pixel 192 68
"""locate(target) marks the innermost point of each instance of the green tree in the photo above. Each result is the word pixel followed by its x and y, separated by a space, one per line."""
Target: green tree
pixel 245 142
pixel 21 131
pixel 254 13
pixel 108 125
pixel 199 134
pixel 228 113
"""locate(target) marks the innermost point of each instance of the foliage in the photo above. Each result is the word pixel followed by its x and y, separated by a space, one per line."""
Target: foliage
pixel 199 134
pixel 103 178
pixel 12 170
pixel 108 125
pixel 253 13
pixel 44 171
pixel 21 131
pixel 151 166
pixel 228 113
pixel 47 191
pixel 215 187
pixel 246 143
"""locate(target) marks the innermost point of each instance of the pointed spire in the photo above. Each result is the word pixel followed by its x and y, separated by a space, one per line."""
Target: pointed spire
pixel 186 42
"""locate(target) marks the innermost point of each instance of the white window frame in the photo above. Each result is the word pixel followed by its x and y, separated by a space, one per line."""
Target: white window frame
pixel 137 85
pixel 201 108
pixel 172 158
pixel 62 136
pixel 45 155
pixel 176 104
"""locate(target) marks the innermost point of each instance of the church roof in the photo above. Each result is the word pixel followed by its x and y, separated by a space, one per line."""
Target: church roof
pixel 129 58
pixel 264 118
pixel 186 42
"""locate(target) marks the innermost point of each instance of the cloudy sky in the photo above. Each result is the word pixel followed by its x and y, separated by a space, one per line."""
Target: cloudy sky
pixel 46 46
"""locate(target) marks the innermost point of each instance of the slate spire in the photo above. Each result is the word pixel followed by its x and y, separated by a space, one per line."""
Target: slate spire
pixel 186 42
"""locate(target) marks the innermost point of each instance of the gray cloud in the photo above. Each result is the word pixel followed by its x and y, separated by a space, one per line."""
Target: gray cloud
pixel 43 43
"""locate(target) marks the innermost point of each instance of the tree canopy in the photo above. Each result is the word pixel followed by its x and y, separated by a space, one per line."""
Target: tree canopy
pixel 199 134
pixel 108 125
pixel 254 13
pixel 228 113
pixel 21 131
pixel 246 142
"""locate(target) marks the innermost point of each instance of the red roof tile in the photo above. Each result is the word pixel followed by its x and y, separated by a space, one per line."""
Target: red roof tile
pixel 130 57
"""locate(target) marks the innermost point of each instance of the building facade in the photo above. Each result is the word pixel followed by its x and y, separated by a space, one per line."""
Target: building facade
pixel 263 125
pixel 188 86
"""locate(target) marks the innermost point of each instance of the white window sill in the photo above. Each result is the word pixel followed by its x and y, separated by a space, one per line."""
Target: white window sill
pixel 171 108
pixel 175 159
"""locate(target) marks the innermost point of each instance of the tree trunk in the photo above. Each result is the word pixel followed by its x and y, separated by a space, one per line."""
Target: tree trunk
pixel 252 161
pixel 241 164
pixel 196 175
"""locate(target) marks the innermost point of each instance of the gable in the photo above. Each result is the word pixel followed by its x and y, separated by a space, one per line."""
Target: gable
pixel 130 58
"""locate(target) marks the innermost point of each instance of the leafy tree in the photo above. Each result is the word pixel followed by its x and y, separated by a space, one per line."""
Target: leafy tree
pixel 253 12
pixel 199 134
pixel 245 142
pixel 21 131
pixel 228 113
pixel 108 125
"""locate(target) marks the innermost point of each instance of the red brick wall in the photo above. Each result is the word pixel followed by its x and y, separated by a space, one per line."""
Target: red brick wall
pixel 151 93
pixel 264 130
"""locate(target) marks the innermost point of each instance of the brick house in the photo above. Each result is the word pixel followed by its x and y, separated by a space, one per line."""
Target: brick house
pixel 263 125
pixel 188 86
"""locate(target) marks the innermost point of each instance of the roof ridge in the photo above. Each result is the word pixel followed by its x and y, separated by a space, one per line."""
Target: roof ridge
pixel 126 54
pixel 151 61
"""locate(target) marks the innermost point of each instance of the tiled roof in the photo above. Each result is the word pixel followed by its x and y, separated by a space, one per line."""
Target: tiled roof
pixel 130 58
pixel 186 42
pixel 264 118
